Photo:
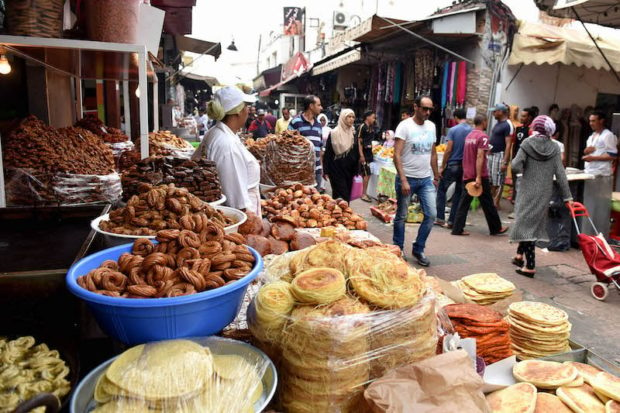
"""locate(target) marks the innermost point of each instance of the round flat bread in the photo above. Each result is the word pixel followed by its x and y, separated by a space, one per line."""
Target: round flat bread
pixel 607 384
pixel 162 370
pixel 544 374
pixel 581 399
pixel 576 383
pixel 540 313
pixel 518 398
pixel 548 403
pixel 585 370
pixel 488 283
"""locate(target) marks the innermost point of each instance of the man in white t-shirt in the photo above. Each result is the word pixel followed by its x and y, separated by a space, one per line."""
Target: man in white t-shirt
pixel 415 159
pixel 600 152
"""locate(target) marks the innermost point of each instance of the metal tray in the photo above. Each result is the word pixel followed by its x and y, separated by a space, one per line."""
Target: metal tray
pixel 586 356
pixel 83 402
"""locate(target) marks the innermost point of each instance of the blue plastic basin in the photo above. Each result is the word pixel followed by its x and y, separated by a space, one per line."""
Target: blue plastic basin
pixel 140 320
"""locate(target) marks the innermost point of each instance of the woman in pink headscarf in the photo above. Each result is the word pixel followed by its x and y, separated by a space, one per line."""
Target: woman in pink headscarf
pixel 538 160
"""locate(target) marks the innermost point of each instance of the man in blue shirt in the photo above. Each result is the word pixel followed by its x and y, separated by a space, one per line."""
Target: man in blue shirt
pixel 308 125
pixel 451 169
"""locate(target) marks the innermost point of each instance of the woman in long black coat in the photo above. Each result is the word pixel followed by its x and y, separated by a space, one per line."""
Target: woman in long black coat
pixel 341 158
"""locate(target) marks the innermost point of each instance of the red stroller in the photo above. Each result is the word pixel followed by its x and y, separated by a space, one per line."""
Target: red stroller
pixel 603 261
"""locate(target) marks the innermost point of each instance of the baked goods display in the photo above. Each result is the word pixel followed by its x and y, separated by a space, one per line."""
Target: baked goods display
pixel 166 143
pixel 27 369
pixel 485 288
pixel 338 317
pixel 199 177
pixel 107 133
pixel 538 329
pixel 487 326
pixel 183 262
pixel 304 207
pixel 179 376
pixel 34 145
pixel 520 397
pixel 163 207
pixel 45 165
pixel 258 147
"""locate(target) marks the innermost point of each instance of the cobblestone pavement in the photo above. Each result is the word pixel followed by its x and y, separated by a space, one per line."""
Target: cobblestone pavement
pixel 563 278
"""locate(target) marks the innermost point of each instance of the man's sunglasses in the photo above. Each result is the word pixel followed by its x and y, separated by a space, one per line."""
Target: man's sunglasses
pixel 426 109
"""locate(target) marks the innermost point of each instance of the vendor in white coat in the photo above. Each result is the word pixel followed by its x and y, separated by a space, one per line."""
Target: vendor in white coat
pixel 238 170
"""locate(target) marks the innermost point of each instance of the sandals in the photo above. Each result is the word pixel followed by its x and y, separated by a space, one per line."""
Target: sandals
pixel 519 262
pixel 366 198
pixel 462 234
pixel 501 231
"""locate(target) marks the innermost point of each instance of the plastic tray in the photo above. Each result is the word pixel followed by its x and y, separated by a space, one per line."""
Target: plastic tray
pixel 83 402
pixel 238 216
pixel 140 320
pixel 219 201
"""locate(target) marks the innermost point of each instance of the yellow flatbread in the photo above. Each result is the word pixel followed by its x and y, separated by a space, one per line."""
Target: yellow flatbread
pixel 585 370
pixel 544 374
pixel 581 399
pixel 539 313
pixel 548 403
pixel 607 384
pixel 518 398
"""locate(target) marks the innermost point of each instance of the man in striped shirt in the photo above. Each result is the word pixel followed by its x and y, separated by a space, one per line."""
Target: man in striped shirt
pixel 308 125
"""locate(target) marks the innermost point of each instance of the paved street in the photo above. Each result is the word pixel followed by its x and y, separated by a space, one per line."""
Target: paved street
pixel 562 278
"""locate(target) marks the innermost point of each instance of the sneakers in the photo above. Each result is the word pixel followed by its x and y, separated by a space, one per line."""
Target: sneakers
pixel 421 258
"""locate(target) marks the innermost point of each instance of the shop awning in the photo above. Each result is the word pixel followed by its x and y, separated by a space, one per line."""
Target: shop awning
pixel 292 69
pixel 603 12
pixel 194 45
pixel 540 43
pixel 339 61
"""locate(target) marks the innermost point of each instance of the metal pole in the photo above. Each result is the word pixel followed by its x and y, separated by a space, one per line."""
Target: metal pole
pixel 142 100
pixel 155 103
pixel 597 46
pixel 126 108
pixel 424 39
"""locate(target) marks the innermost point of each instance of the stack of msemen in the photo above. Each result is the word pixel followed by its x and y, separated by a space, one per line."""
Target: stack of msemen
pixel 403 336
pixel 485 325
pixel 325 357
pixel 538 329
pixel 485 288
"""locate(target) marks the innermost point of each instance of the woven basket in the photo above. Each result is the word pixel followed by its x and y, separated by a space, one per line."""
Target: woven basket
pixel 39 18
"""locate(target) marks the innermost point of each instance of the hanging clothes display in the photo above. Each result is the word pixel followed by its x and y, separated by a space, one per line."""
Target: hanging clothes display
pixel 398 82
pixel 461 88
pixel 451 84
pixel 410 80
pixel 444 84
pixel 424 70
pixel 374 83
pixel 380 93
pixel 389 82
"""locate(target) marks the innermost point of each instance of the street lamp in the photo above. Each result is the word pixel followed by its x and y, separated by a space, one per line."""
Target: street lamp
pixel 232 46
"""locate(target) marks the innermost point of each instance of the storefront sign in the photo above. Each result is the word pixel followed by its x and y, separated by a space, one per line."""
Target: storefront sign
pixel 295 66
pixel 340 40
pixel 347 58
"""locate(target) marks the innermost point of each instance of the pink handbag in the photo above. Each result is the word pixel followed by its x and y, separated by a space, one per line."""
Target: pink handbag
pixel 357 188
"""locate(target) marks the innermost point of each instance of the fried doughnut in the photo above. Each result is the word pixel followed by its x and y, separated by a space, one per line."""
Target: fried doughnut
pixel 186 254
pixel 163 287
pixel 142 247
pixel 111 264
pixel 213 232
pixel 245 257
pixel 128 261
pixel 142 290
pixel 158 258
pixel 223 258
pixel 114 281
pixel 109 293
pixel 193 277
pixel 87 283
pixel 319 286
pixel 235 273
pixel 135 276
pixel 235 237
pixel 167 235
pixel 187 223
pixel 189 239
pixel 210 249
pixel 202 265
pixel 180 289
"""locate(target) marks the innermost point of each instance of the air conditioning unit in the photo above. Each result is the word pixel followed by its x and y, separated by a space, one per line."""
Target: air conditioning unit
pixel 341 20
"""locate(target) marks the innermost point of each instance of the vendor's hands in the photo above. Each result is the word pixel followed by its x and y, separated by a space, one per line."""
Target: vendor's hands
pixel 478 182
pixel 405 189
pixel 588 158
pixel 504 167
pixel 363 160
pixel 588 150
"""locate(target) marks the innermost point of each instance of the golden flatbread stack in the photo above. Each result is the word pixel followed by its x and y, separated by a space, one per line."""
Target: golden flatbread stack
pixel 179 376
pixel 486 326
pixel 518 398
pixel 548 403
pixel 581 399
pixel 537 329
pixel 544 374
pixel 485 288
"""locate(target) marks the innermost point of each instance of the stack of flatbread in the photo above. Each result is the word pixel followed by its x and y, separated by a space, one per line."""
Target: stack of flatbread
pixel 485 288
pixel 578 387
pixel 486 326
pixel 537 329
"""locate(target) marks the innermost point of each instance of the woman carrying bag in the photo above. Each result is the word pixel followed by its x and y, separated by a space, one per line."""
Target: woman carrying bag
pixel 341 159
pixel 365 136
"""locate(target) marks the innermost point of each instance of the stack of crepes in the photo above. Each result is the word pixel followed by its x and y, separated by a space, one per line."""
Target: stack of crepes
pixel 485 288
pixel 538 329
pixel 179 376
pixel 332 339
pixel 485 325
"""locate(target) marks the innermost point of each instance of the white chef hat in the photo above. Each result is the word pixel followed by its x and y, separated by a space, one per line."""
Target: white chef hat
pixel 228 100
